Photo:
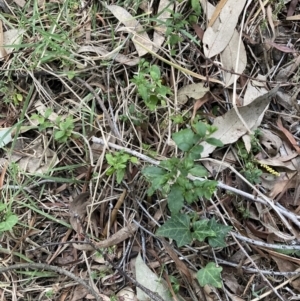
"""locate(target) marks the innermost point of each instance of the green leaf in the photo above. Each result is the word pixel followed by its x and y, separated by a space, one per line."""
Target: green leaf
pixel 184 139
pixel 110 159
pixel 215 142
pixel 9 222
pixel 210 275
pixel 195 152
pixel 178 228
pixel 120 175
pixel 134 160
pixel 59 135
pixel 202 230
pixel 221 232
pixel 198 171
pixel 2 206
pixel 156 176
pixel 196 7
pixel 200 128
pixel 175 199
pixel 155 72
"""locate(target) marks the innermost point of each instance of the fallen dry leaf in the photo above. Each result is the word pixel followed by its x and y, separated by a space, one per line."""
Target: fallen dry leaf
pixel 195 91
pixel 254 90
pixel 133 26
pixel 217 37
pixel 229 126
pixel 229 57
pixel 12 37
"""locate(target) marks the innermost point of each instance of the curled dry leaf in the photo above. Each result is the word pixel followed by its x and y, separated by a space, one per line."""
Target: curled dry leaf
pixel 195 91
pixel 217 37
pixel 229 126
pixel 133 26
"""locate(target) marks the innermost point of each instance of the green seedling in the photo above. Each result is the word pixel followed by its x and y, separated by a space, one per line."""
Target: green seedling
pixel 149 85
pixel 118 163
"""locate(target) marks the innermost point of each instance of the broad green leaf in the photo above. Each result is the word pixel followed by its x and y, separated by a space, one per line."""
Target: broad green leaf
pixel 156 176
pixel 120 175
pixel 195 152
pixel 202 230
pixel 134 160
pixel 59 135
pixel 200 129
pixel 215 142
pixel 184 139
pixel 198 171
pixel 152 172
pixel 221 232
pixel 175 199
pixel 110 159
pixel 155 72
pixel 2 206
pixel 9 222
pixel 210 275
pixel 177 228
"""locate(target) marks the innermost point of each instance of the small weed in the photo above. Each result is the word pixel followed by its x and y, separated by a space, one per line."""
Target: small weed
pixel 63 129
pixel 7 219
pixel 149 85
pixel 118 163
pixel 251 172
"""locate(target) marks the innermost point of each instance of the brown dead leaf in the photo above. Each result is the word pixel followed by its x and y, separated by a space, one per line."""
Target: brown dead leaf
pixel 200 102
pixel 199 31
pixel 288 135
pixel 280 47
pixel 179 264
pixel 292 8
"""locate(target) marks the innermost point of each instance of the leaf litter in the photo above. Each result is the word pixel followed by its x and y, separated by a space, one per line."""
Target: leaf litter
pixel 95 237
